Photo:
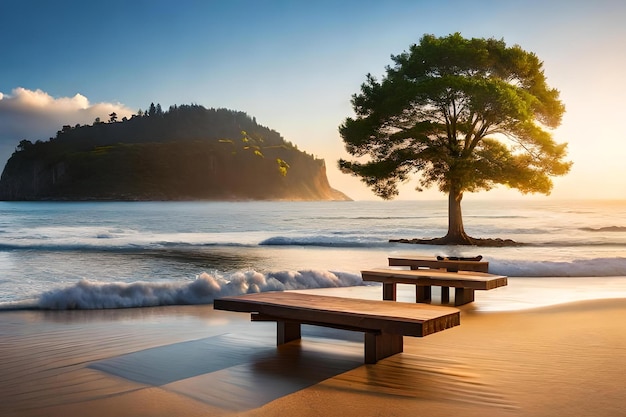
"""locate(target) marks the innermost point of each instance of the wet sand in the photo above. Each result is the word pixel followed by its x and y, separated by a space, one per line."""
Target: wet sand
pixel 514 354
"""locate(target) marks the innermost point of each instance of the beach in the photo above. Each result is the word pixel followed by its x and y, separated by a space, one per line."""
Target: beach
pixel 106 310
pixel 520 351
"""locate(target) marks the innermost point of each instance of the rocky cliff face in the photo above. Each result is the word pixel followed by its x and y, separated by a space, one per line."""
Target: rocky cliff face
pixel 112 168
pixel 165 171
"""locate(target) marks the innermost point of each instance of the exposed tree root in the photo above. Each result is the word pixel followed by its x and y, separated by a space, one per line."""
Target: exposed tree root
pixel 466 240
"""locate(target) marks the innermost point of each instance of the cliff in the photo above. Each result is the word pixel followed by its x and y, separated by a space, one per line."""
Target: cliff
pixel 187 153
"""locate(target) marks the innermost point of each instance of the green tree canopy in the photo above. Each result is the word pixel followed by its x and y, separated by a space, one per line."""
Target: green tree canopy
pixel 463 114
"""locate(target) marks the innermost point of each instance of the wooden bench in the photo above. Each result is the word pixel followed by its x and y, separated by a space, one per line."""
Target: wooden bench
pixel 464 283
pixel 446 264
pixel 384 323
pixel 417 262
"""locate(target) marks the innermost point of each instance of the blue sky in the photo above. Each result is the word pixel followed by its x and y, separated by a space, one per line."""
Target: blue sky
pixel 295 64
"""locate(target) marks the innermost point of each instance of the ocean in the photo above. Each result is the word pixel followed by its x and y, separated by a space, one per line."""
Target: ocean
pixel 85 255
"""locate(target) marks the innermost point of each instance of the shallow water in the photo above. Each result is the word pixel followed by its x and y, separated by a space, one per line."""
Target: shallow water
pixel 118 254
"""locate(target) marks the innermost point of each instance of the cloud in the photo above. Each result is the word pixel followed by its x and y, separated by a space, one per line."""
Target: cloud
pixel 36 115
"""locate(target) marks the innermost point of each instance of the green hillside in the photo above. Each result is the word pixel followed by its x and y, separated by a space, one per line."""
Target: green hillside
pixel 186 153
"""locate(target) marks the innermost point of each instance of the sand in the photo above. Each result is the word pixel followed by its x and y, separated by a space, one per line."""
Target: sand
pixel 564 359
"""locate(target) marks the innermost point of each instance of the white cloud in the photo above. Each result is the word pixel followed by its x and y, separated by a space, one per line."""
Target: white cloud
pixel 36 115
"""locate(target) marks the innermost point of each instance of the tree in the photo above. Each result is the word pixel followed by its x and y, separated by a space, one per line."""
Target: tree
pixel 23 145
pixel 113 117
pixel 463 114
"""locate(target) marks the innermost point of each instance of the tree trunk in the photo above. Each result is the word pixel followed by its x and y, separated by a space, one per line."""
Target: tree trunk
pixel 456 232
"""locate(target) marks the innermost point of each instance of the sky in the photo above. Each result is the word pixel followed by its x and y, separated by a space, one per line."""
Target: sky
pixel 294 66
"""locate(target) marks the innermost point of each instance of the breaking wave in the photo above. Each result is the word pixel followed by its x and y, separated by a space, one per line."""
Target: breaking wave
pixel 203 290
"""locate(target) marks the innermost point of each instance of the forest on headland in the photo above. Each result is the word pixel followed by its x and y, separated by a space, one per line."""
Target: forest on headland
pixel 188 152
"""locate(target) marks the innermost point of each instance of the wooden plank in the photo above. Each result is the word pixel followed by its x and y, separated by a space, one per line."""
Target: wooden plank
pixel 262 317
pixel 416 262
pixel 366 315
pixel 473 280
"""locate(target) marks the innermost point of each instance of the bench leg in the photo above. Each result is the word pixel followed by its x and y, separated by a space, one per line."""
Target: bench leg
pixel 381 345
pixel 389 291
pixel 463 296
pixel 423 293
pixel 445 295
pixel 287 331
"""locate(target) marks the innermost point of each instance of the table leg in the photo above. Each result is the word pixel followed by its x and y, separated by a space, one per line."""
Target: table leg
pixel 445 295
pixel 381 345
pixel 423 293
pixel 389 291
pixel 463 296
pixel 287 331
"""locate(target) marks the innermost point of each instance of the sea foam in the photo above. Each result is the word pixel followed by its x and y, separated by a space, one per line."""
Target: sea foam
pixel 203 290
pixel 87 294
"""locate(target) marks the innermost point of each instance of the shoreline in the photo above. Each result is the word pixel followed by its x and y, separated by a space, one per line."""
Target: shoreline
pixel 521 293
pixel 193 360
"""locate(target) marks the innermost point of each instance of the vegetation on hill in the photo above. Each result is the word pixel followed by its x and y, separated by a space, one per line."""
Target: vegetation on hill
pixel 186 153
